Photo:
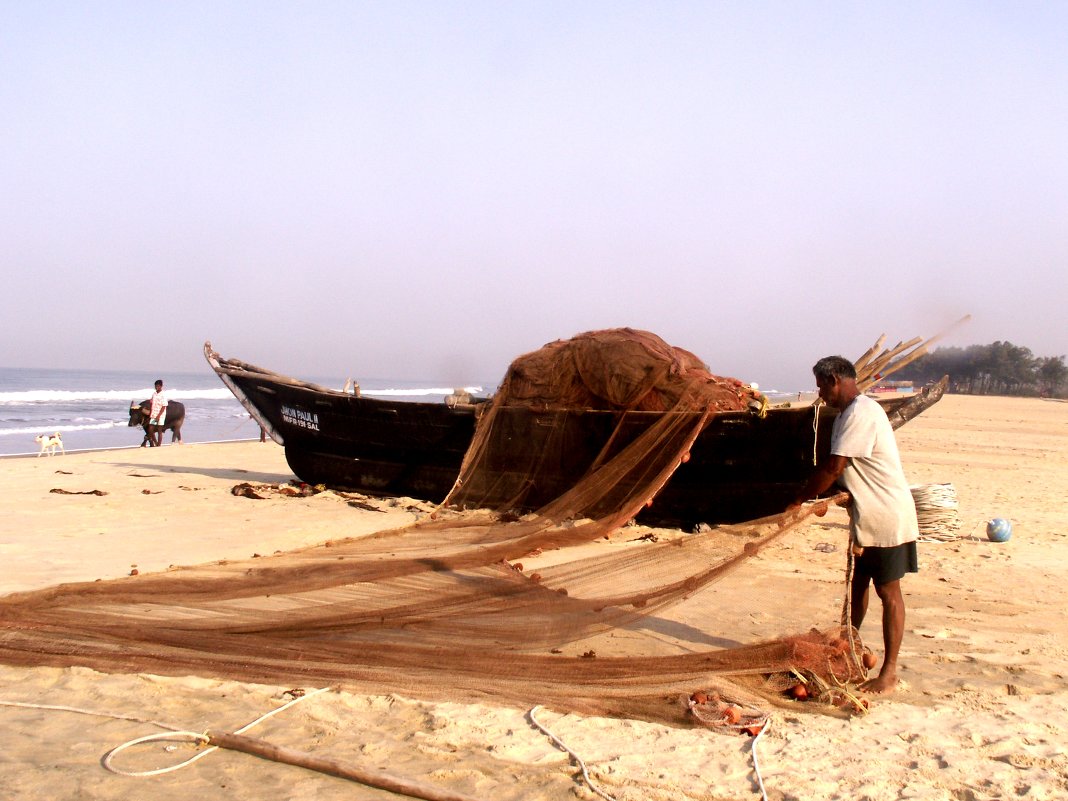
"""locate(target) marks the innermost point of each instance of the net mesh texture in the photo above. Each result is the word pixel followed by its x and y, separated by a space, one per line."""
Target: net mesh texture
pixel 445 609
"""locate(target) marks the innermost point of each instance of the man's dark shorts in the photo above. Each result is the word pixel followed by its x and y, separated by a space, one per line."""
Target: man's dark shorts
pixel 883 565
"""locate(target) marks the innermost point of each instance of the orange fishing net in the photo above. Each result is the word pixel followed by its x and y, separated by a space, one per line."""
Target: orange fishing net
pixel 443 609
pixel 543 443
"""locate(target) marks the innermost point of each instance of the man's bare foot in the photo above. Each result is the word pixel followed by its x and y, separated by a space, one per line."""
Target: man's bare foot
pixel 883 684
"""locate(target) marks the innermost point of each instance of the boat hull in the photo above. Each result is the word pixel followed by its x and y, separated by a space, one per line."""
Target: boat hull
pixel 741 466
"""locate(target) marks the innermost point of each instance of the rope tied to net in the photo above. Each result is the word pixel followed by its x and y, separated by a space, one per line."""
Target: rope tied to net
pixel 847 608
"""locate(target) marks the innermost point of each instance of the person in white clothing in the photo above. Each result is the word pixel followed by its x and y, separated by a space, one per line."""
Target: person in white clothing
pixel 864 459
pixel 157 414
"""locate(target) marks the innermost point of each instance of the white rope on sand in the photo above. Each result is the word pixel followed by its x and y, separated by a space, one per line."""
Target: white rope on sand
pixel 106 762
pixel 756 764
pixel 532 714
pixel 937 512
pixel 762 723
pixel 189 735
pixel 171 733
pixel 78 710
pixel 578 760
pixel 250 745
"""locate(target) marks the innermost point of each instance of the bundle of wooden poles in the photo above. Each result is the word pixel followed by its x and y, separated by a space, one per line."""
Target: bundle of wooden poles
pixel 878 362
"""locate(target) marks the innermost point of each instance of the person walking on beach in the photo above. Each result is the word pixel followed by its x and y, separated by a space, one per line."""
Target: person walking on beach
pixel 157 414
pixel 882 514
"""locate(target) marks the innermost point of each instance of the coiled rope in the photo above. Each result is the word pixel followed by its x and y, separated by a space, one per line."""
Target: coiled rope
pixel 937 512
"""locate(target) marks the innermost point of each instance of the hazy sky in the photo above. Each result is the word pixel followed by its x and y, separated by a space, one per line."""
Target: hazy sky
pixel 427 189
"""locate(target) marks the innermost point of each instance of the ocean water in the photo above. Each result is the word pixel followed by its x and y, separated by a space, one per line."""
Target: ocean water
pixel 90 408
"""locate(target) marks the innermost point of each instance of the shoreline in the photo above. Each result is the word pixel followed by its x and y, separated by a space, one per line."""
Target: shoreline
pixel 982 711
pixel 72 451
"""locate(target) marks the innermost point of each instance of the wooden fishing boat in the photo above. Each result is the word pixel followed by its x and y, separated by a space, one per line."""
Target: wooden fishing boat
pixel 741 466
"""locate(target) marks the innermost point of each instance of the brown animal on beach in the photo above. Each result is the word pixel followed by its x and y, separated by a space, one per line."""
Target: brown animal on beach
pixel 49 442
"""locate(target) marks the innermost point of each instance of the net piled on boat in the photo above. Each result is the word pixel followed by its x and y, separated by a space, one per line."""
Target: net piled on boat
pixel 663 396
pixel 442 608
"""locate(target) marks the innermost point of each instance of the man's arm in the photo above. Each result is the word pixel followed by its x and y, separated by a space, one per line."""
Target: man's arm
pixel 822 480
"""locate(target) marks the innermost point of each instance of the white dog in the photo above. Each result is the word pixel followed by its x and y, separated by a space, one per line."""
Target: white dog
pixel 49 442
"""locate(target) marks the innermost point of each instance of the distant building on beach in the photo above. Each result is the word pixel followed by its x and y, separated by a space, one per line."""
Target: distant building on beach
pixel 890 386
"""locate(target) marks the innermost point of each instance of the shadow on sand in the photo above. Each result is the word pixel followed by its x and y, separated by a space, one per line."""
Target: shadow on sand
pixel 228 473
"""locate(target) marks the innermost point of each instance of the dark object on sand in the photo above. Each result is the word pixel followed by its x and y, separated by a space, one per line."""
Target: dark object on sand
pixel 561 413
pixel 175 417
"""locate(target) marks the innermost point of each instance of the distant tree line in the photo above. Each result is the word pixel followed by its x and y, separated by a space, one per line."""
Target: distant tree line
pixel 1000 368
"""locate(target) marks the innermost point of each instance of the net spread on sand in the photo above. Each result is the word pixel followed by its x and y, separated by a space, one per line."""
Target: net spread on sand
pixel 443 609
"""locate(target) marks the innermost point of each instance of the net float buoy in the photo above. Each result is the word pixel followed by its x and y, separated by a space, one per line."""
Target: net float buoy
pixel 998 530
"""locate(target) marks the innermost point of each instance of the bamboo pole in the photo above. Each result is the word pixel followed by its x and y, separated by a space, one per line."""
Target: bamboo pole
pixel 925 347
pixel 882 366
pixel 904 360
pixel 290 756
pixel 859 363
pixel 869 366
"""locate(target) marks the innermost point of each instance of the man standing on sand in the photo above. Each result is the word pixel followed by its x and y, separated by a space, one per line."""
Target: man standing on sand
pixel 882 514
pixel 157 414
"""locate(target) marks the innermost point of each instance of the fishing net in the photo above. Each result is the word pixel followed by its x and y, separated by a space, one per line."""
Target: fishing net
pixel 543 443
pixel 445 608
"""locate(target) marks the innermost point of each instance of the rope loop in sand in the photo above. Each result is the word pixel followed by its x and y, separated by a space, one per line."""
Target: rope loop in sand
pixel 198 736
pixel 165 735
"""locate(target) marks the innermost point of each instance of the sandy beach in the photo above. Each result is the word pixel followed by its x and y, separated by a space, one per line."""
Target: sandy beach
pixel 981 711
